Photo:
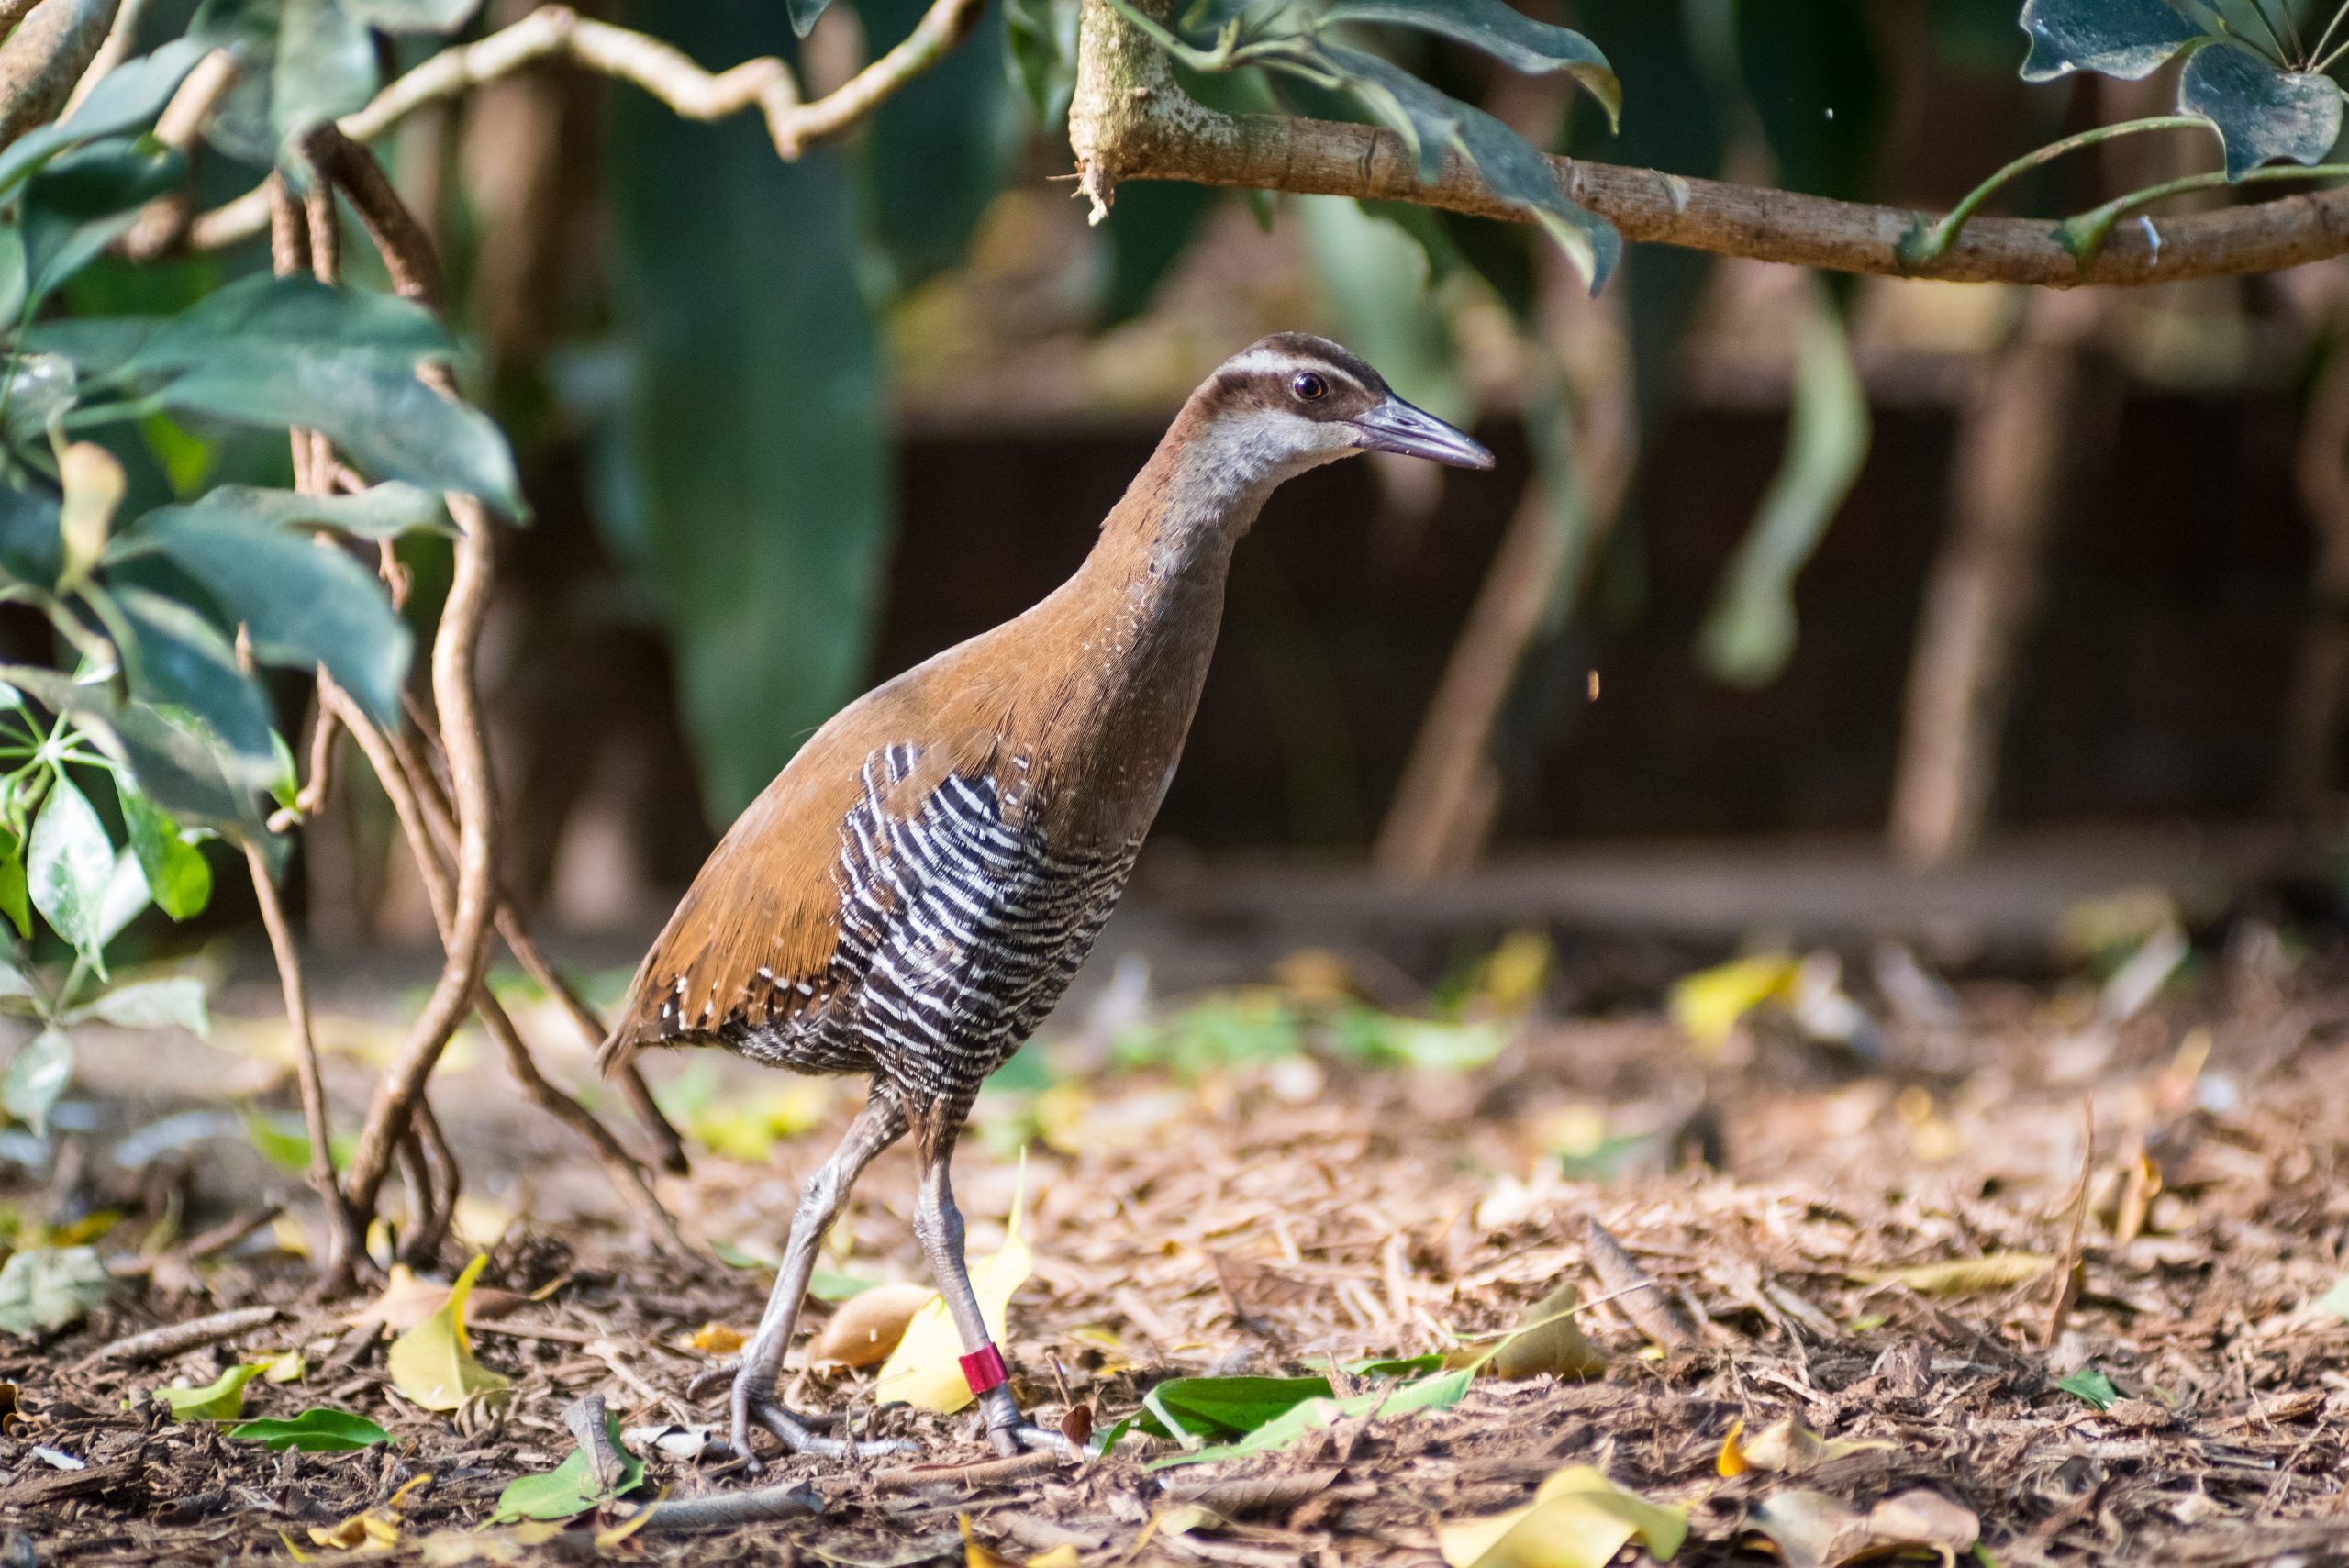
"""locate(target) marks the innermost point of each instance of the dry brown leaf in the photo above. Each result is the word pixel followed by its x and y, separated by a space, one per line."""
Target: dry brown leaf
pixel 1786 1446
pixel 408 1300
pixel 1811 1529
pixel 868 1326
pixel 1963 1276
pixel 1546 1339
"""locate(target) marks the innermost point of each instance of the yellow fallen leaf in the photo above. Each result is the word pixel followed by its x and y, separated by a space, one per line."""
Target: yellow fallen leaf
pixel 1511 978
pixel 975 1554
pixel 747 1127
pixel 1061 1556
pixel 1791 1448
pixel 284 1366
pixel 1709 1004
pixel 371 1530
pixel 926 1369
pixel 1732 1459
pixel 869 1325
pixel 1579 1518
pixel 1961 1276
pixel 718 1339
pixel 433 1362
pixel 1546 1339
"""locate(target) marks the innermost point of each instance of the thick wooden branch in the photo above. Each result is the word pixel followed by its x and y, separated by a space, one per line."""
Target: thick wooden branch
pixel 558 33
pixel 52 47
pixel 1130 120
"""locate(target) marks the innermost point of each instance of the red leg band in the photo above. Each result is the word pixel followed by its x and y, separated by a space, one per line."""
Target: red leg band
pixel 983 1369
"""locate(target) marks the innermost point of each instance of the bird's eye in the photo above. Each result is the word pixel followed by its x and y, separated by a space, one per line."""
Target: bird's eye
pixel 1310 387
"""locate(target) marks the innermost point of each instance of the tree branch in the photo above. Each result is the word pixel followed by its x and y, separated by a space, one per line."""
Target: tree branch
pixel 45 56
pixel 559 33
pixel 1130 120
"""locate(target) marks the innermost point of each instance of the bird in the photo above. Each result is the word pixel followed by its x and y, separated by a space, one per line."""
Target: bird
pixel 913 893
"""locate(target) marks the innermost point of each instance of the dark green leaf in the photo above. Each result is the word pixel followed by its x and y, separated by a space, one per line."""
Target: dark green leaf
pixel 390 422
pixel 288 313
pixel 939 149
pixel 1151 226
pixel 29 548
pixel 67 865
pixel 85 200
pixel 181 659
pixel 1516 171
pixel 301 605
pixel 125 98
pixel 92 342
pixel 178 876
pixel 1039 46
pixel 2127 38
pixel 36 1076
pixel 299 62
pixel 2092 1385
pixel 758 413
pixel 184 771
pixel 1811 71
pixel 570 1488
pixel 413 15
pixel 320 1431
pixel 1502 31
pixel 1312 1414
pixel 2262 114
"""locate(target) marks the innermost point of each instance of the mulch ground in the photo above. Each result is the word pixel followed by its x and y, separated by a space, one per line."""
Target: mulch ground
pixel 1293 1216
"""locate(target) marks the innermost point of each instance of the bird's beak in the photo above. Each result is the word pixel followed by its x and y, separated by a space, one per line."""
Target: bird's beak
pixel 1396 426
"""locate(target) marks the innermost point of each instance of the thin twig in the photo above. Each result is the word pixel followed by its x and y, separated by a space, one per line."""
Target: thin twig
pixel 558 33
pixel 172 1339
pixel 2067 1285
pixel 763 1505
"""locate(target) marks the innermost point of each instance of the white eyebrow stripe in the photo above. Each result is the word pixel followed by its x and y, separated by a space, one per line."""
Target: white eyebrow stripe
pixel 1263 360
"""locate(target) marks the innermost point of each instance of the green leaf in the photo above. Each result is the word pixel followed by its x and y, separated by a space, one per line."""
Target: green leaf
pixel 2127 38
pixel 1189 1409
pixel 1750 634
pixel 413 15
pixel 30 548
pixel 390 422
pixel 223 1399
pixel 2091 1386
pixel 1517 172
pixel 301 605
pixel 379 512
pixel 178 876
pixel 173 1003
pixel 1375 278
pixel 2262 114
pixel 299 62
pixel 570 1488
pixel 68 864
pixel 187 774
pixel 35 1077
pixel 129 97
pixel 50 1287
pixel 1040 46
pixel 1502 31
pixel 124 900
pixel 323 1429
pixel 16 901
pixel 180 659
pixel 759 414
pixel 937 151
pixel 1438 1393
pixel 823 1285
pixel 2336 1300
pixel 286 312
pixel 284 1142
pixel 85 201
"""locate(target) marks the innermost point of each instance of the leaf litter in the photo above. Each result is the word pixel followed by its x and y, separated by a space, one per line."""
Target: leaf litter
pixel 1829 1349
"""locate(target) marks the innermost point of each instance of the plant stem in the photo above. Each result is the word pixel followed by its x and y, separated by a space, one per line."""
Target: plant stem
pixel 2084 234
pixel 2326 38
pixel 1922 245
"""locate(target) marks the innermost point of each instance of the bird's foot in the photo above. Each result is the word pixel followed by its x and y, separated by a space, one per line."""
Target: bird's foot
pixel 1012 1433
pixel 754 1401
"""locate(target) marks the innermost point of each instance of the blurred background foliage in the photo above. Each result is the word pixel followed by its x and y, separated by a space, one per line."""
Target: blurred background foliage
pixel 765 413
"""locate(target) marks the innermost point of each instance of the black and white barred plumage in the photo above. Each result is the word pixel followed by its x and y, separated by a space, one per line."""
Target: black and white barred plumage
pixel 959 931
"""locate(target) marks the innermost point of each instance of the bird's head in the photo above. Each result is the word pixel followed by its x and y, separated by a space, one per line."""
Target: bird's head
pixel 1293 401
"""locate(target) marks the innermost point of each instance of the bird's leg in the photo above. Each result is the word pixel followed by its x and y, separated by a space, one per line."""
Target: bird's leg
pixel 937 1224
pixel 876 1127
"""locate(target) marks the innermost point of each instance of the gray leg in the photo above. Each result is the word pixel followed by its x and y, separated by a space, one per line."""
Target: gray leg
pixel 880 1124
pixel 937 1224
